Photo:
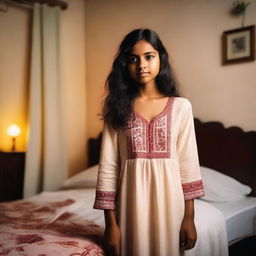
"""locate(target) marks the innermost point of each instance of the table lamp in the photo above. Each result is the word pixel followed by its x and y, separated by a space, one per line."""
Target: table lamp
pixel 13 130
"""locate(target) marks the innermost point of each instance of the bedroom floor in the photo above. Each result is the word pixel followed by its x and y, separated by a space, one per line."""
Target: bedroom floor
pixel 246 247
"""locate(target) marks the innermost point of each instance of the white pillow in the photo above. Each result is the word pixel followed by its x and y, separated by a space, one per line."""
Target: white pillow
pixel 219 187
pixel 84 179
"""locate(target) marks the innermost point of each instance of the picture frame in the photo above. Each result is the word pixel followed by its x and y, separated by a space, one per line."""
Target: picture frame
pixel 238 45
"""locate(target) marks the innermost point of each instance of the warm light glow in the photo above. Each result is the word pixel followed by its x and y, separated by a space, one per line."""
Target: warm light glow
pixel 13 130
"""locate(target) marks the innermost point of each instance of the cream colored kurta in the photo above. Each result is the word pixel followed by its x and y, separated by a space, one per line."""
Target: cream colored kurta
pixel 145 173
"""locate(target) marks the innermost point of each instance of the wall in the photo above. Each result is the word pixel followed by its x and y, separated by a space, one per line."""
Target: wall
pixel 191 32
pixel 14 68
pixel 15 27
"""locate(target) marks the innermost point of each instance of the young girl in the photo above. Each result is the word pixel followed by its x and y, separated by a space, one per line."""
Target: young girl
pixel 149 170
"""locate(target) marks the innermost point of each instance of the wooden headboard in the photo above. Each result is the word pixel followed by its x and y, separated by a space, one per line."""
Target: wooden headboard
pixel 228 150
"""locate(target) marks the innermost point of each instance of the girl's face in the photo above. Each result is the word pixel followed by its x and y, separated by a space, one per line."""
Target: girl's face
pixel 143 62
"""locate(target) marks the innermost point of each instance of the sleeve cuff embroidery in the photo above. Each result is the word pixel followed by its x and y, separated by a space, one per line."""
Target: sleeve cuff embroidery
pixel 193 189
pixel 105 200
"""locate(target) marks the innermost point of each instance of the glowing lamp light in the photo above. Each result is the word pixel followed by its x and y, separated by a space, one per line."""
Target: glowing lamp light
pixel 13 130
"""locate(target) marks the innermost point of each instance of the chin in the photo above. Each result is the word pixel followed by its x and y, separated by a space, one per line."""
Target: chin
pixel 145 81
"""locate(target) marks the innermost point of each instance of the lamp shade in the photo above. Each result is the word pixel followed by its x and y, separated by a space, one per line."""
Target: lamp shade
pixel 13 130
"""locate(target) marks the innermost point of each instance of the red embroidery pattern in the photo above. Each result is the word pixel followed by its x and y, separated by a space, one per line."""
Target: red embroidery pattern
pixel 29 239
pixel 90 250
pixel 150 139
pixel 193 189
pixel 137 138
pixel 105 200
pixel 68 243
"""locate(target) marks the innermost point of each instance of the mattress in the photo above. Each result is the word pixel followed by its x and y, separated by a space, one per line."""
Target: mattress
pixel 240 218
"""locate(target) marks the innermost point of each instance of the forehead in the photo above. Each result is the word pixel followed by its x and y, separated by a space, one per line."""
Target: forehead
pixel 142 47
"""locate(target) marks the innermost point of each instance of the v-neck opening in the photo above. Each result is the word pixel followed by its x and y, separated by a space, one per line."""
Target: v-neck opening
pixel 155 117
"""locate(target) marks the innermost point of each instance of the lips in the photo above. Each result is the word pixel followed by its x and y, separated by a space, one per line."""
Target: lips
pixel 142 74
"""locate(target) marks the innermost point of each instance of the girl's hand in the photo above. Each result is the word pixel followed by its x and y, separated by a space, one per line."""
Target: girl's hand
pixel 188 234
pixel 112 240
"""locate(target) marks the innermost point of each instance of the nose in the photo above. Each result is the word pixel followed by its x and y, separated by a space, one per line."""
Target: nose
pixel 141 64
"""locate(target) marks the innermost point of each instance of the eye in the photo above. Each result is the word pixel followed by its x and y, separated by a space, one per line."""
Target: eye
pixel 132 59
pixel 149 57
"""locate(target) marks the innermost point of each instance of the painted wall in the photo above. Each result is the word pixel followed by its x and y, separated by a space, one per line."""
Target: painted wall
pixel 14 69
pixel 15 27
pixel 191 32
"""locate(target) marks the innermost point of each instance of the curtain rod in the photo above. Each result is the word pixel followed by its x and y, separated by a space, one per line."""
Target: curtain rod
pixel 24 3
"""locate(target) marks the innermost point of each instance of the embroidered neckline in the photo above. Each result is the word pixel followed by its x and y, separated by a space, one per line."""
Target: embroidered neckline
pixel 155 117
pixel 150 139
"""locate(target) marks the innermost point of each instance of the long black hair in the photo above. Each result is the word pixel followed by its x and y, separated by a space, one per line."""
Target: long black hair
pixel 122 89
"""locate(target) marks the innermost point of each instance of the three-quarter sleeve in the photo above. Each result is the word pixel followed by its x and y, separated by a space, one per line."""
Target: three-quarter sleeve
pixel 109 169
pixel 191 180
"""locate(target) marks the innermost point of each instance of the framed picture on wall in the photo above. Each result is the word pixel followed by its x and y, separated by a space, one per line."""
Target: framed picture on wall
pixel 238 45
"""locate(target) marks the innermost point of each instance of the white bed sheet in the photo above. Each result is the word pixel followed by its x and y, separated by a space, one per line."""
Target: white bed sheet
pixel 211 231
pixel 83 206
pixel 240 218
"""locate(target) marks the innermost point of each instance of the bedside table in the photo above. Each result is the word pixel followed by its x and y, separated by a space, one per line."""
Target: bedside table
pixel 11 175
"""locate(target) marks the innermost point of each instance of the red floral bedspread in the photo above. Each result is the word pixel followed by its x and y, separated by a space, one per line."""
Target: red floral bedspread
pixel 47 229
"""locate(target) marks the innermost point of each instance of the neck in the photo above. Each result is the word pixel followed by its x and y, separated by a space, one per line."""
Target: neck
pixel 149 91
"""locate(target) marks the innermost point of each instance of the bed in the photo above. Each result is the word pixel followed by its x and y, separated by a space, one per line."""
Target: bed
pixel 64 223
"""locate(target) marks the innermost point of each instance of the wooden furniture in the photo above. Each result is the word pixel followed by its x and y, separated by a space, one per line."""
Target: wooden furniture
pixel 228 150
pixel 245 247
pixel 11 175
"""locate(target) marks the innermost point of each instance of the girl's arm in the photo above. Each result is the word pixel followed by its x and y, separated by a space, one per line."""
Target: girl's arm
pixel 190 175
pixel 106 190
pixel 188 233
pixel 112 235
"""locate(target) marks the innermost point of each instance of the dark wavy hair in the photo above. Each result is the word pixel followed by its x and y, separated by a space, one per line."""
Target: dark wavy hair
pixel 122 89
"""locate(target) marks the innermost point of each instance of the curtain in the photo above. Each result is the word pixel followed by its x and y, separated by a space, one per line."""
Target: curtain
pixel 46 156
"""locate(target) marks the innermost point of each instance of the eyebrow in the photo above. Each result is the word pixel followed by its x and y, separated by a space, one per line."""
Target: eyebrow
pixel 146 53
